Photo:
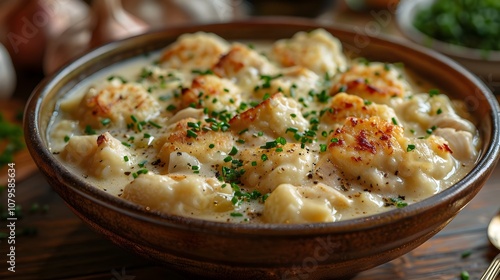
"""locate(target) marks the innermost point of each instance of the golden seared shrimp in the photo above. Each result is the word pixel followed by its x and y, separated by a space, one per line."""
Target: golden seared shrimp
pixel 211 92
pixel 116 105
pixel 318 51
pixel 194 51
pixel 374 81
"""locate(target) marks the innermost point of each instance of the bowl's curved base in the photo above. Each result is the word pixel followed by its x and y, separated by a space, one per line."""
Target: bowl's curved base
pixel 310 268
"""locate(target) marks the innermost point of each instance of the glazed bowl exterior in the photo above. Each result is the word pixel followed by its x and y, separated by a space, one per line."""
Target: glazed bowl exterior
pixel 265 251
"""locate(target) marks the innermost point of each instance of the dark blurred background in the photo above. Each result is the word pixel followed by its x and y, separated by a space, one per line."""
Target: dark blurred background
pixel 39 36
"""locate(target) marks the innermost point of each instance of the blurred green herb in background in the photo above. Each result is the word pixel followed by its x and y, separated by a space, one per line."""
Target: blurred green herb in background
pixel 11 140
pixel 468 23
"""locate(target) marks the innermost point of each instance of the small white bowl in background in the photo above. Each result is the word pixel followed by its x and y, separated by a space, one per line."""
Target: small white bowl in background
pixel 485 64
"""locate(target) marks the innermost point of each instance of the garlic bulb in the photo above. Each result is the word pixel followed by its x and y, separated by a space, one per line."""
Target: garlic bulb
pixel 7 74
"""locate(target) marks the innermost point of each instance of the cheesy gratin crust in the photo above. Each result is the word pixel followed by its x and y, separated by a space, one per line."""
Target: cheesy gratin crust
pixel 291 131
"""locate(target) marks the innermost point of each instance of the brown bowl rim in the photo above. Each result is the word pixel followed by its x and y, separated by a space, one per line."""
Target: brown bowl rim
pixel 48 164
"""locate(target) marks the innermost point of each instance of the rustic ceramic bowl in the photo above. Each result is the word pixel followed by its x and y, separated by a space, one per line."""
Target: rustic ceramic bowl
pixel 265 251
pixel 484 64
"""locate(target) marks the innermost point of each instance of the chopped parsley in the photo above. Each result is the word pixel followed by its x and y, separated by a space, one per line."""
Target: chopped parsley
pixel 105 121
pixel 236 214
pixel 191 133
pixel 12 135
pixel 433 92
pixel 89 130
pixel 233 151
pixel 466 254
pixel 202 72
pixel 399 201
pixel 394 121
pixel 322 147
pixel 171 108
pixel 155 124
pixel 263 157
pixel 126 144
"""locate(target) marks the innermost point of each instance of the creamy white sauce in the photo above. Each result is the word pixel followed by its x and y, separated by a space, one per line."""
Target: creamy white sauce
pixel 271 143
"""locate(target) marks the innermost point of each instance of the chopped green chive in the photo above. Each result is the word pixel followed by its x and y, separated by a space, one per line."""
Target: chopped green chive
pixel 236 214
pixel 125 158
pixel 399 202
pixel 433 92
pixel 126 144
pixel 201 72
pixel 154 124
pixel 264 157
pixel 66 138
pixel 89 131
pixel 233 151
pixel 394 121
pixel 466 254
pixel 464 275
pixel 105 121
pixel 322 147
pixel 410 148
pixel 191 133
pixel 211 146
pixel 171 108
pixel 142 171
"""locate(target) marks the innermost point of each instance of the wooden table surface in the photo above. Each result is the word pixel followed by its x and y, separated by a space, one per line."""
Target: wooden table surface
pixel 55 244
